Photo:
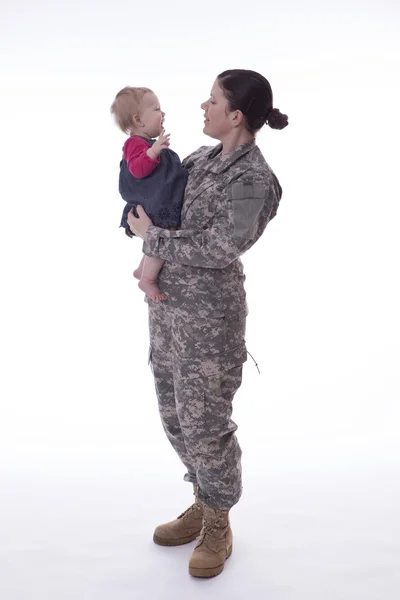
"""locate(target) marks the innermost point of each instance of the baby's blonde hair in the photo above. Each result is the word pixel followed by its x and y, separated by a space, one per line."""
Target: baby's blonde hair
pixel 126 104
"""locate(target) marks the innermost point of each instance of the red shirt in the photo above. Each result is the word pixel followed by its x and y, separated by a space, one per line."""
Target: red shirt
pixel 139 164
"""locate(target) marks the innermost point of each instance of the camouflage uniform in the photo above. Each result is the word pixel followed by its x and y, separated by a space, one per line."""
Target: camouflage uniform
pixel 197 336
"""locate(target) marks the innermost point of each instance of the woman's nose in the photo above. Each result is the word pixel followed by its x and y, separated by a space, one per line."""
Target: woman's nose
pixel 203 105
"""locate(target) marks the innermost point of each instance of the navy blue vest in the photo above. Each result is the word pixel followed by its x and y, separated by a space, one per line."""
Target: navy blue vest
pixel 160 193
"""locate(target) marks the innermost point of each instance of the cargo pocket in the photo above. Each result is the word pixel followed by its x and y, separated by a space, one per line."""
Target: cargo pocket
pixel 200 337
pixel 235 331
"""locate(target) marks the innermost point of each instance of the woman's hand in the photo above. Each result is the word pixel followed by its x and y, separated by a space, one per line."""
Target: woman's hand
pixel 139 225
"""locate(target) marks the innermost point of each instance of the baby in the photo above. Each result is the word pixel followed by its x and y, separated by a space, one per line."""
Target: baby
pixel 151 174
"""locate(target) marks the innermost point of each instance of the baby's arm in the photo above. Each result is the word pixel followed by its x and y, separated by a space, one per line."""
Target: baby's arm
pixel 163 142
pixel 142 159
pixel 140 163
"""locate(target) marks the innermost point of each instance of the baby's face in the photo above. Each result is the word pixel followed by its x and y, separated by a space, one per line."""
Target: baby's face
pixel 151 115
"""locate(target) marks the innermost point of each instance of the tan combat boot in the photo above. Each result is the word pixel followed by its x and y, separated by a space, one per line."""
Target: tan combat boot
pixel 214 545
pixel 185 528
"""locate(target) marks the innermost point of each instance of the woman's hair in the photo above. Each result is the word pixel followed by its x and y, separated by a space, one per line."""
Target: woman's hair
pixel 126 104
pixel 251 93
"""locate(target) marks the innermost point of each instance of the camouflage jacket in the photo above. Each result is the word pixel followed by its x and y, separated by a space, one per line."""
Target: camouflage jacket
pixel 228 202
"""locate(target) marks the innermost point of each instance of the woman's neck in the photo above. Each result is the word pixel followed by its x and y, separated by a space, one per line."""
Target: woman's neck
pixel 236 138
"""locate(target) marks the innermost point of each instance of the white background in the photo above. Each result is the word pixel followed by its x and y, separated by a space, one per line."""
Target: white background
pixel 85 469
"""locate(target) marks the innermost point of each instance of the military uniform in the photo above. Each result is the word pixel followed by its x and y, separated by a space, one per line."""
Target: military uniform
pixel 197 336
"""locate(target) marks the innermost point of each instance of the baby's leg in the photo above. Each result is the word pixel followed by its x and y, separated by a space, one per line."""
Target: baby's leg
pixel 148 281
pixel 137 273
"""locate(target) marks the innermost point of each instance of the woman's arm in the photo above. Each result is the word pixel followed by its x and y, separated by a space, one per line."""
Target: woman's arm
pixel 242 218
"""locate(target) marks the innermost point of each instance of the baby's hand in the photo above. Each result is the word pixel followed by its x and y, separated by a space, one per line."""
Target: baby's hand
pixel 161 143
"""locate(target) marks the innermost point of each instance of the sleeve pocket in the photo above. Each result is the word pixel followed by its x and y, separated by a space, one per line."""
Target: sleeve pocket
pixel 248 201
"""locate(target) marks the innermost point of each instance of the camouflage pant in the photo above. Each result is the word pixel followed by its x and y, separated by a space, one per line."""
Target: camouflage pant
pixel 197 368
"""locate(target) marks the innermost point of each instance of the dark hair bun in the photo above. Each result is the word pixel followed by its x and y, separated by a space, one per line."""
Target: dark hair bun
pixel 277 120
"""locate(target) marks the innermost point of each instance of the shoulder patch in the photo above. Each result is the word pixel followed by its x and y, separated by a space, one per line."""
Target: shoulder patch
pixel 248 200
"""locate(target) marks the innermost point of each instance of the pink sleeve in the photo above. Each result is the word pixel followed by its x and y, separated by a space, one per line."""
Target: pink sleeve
pixel 139 164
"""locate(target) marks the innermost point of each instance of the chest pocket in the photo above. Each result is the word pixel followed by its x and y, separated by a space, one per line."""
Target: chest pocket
pixel 201 200
pixel 248 201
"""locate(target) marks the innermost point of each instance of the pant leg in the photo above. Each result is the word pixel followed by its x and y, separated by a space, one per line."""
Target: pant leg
pixel 208 358
pixel 160 359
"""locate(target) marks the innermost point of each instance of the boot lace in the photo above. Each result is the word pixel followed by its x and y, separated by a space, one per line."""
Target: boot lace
pixel 194 507
pixel 211 525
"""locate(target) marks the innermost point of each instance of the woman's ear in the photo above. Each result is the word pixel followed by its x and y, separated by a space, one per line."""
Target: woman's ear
pixel 237 117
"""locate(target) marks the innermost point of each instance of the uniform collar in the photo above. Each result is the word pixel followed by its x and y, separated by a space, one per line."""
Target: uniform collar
pixel 216 163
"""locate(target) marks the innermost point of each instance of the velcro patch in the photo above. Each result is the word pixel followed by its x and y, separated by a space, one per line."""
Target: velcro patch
pixel 248 201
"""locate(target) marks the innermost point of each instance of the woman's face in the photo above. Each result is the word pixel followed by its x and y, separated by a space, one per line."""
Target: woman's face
pixel 217 119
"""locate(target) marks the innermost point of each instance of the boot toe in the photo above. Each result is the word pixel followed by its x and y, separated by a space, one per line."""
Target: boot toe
pixel 202 564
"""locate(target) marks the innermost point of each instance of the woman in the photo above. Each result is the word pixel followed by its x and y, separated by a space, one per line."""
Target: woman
pixel 197 336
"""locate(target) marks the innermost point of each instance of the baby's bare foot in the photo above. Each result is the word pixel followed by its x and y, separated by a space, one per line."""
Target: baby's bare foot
pixel 137 273
pixel 152 290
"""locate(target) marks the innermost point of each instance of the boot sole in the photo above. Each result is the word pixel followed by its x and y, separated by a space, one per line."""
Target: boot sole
pixel 177 542
pixel 210 572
